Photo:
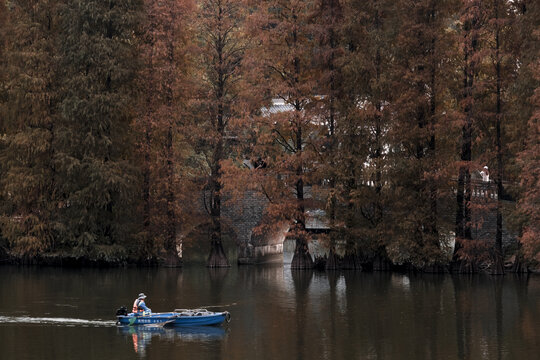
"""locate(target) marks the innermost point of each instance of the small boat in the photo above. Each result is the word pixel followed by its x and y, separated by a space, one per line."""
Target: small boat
pixel 179 317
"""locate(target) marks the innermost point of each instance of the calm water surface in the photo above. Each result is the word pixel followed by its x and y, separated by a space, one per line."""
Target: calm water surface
pixel 52 313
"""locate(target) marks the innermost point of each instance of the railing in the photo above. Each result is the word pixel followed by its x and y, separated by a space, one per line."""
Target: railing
pixel 484 189
pixel 489 190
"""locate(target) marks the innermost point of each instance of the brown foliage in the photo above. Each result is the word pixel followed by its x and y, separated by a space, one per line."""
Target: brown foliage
pixel 530 179
pixel 165 35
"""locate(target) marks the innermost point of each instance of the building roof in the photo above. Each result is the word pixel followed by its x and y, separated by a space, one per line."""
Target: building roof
pixel 278 106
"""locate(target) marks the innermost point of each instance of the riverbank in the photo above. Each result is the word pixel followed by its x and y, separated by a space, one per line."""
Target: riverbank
pixel 62 260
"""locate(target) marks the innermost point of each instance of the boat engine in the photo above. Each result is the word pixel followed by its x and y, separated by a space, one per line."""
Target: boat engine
pixel 122 311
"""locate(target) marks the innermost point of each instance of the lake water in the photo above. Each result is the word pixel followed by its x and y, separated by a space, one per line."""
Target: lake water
pixel 56 313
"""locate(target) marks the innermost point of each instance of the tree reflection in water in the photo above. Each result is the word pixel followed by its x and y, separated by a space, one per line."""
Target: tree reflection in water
pixel 301 280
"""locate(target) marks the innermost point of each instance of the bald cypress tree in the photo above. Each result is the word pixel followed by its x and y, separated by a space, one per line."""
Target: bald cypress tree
pixel 421 72
pixel 214 118
pixel 499 72
pixel 370 32
pixel 283 60
pixel 156 127
pixel 527 110
pixel 328 29
pixel 528 204
pixel 464 259
pixel 6 21
pixel 92 142
pixel 28 111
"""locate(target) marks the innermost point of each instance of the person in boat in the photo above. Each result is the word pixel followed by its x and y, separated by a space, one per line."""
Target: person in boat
pixel 139 306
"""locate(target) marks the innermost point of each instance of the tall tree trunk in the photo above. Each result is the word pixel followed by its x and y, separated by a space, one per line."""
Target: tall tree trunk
pixel 464 189
pixel 378 208
pixel 333 261
pixel 498 260
pixel 463 215
pixel 217 257
pixel 432 226
pixel 351 260
pixel 148 247
pixel 172 256
pixel 301 258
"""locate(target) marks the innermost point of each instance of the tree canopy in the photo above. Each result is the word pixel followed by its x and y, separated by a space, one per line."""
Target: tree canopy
pixel 127 127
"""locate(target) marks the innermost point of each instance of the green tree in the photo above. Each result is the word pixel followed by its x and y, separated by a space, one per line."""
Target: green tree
pixel 92 139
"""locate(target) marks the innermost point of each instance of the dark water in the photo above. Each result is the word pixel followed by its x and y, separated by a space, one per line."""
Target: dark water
pixel 51 313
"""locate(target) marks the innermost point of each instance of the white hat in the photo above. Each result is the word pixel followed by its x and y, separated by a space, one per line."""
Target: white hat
pixel 142 296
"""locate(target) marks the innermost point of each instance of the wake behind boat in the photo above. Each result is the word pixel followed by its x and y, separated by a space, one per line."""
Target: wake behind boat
pixel 179 317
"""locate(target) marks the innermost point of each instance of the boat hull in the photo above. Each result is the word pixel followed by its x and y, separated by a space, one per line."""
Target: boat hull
pixel 173 319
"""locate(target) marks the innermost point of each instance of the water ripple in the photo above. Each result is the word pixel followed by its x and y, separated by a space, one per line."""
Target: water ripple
pixel 53 321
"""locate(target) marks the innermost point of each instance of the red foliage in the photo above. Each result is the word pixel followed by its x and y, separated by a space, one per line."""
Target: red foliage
pixel 286 141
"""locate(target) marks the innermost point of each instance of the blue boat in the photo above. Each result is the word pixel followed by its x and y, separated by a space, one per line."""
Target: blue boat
pixel 179 317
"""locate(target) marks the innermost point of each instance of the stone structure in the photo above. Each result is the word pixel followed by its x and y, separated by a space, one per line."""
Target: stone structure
pixel 242 221
pixel 255 248
pixel 244 216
